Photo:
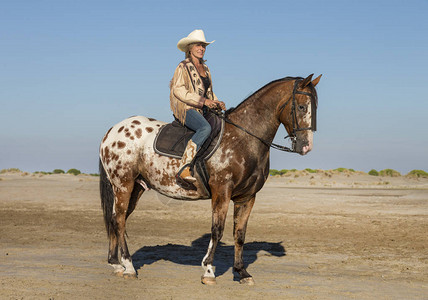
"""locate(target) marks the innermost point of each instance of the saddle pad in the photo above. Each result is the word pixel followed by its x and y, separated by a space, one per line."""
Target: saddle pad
pixel 172 138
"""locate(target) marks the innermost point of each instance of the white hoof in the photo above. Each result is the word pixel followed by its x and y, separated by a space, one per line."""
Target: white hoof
pixel 130 275
pixel 208 280
pixel 247 281
pixel 118 270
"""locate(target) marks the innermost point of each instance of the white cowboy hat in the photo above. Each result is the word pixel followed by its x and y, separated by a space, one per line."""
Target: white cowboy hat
pixel 196 36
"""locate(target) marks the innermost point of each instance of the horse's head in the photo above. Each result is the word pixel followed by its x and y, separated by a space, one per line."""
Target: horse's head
pixel 298 114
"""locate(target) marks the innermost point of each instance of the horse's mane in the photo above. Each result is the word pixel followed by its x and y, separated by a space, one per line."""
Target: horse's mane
pixel 288 78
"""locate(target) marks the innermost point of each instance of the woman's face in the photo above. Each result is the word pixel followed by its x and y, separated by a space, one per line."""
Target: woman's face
pixel 197 50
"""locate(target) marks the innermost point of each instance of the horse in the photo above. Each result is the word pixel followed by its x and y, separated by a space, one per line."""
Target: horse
pixel 237 170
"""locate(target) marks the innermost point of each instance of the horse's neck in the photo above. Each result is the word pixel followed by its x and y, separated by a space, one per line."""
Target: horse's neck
pixel 257 114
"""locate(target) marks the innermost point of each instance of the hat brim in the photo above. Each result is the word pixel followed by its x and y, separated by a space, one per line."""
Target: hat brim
pixel 185 42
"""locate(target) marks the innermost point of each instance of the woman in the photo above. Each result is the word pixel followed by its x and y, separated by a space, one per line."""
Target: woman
pixel 191 90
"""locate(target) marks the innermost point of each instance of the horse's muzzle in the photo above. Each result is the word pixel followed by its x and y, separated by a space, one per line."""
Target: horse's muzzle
pixel 305 150
pixel 303 147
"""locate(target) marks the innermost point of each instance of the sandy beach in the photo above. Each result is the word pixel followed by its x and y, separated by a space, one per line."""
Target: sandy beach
pixel 326 235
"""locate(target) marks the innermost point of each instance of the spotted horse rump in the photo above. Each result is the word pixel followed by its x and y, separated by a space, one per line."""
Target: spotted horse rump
pixel 127 155
pixel 237 170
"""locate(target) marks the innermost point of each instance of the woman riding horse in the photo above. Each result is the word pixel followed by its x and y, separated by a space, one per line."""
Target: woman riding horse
pixel 237 170
pixel 191 90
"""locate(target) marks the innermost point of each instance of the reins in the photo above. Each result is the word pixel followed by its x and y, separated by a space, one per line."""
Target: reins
pixel 268 144
pixel 295 124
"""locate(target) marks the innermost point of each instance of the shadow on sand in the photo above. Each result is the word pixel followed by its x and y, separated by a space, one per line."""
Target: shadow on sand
pixel 193 255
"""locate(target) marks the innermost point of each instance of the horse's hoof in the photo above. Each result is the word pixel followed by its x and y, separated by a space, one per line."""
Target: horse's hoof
pixel 130 275
pixel 208 280
pixel 118 270
pixel 247 281
pixel 118 273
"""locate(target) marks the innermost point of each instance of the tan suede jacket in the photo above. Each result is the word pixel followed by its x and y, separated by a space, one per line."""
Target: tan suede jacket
pixel 187 90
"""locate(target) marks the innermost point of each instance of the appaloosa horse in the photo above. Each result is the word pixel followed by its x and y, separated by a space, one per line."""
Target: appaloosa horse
pixel 237 170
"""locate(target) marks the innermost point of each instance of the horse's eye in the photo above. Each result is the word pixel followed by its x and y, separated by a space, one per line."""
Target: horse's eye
pixel 302 108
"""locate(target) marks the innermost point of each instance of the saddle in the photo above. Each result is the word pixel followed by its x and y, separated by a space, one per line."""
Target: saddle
pixel 172 140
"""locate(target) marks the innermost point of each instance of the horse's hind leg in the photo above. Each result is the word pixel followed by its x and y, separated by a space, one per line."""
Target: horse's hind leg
pixel 123 198
pixel 113 255
pixel 113 258
pixel 241 214
pixel 108 200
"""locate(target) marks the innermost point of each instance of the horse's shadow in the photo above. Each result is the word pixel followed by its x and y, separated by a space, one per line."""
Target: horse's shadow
pixel 192 255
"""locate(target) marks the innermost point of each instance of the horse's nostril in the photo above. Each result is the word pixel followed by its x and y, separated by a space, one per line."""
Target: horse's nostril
pixel 304 142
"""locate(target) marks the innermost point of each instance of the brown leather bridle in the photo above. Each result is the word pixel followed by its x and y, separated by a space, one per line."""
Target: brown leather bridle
pixel 293 112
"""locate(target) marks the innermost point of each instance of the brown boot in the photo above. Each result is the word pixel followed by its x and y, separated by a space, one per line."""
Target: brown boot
pixel 185 174
pixel 188 156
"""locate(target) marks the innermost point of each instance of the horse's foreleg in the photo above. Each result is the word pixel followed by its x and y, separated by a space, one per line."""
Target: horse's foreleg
pixel 241 214
pixel 219 212
pixel 121 208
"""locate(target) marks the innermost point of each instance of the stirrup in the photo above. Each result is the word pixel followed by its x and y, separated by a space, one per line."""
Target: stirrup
pixel 184 182
pixel 186 175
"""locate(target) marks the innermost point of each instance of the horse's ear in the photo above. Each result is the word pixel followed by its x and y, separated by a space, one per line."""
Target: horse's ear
pixel 316 80
pixel 307 80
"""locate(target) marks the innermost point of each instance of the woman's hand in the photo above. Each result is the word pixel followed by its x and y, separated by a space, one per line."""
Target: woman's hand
pixel 221 104
pixel 215 104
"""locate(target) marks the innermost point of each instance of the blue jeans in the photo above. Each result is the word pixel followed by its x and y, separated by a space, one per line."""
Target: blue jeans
pixel 197 122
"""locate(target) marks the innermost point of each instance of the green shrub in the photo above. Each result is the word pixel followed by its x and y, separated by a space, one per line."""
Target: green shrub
pixel 94 174
pixel 11 170
pixel 389 172
pixel 373 172
pixel 310 170
pixel 58 171
pixel 43 172
pixel 73 171
pixel 418 173
pixel 340 170
pixel 274 172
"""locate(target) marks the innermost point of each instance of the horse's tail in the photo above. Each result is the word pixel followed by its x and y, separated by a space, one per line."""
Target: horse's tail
pixel 107 200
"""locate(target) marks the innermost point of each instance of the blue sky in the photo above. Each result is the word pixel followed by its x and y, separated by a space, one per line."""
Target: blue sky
pixel 69 70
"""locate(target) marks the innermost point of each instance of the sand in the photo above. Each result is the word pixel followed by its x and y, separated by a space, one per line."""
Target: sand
pixel 310 236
